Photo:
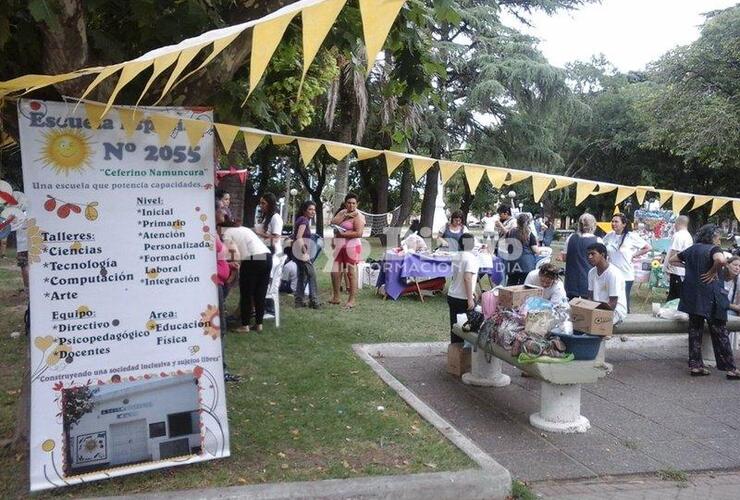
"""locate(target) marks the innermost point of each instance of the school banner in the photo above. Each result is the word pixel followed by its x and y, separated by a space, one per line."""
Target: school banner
pixel 126 358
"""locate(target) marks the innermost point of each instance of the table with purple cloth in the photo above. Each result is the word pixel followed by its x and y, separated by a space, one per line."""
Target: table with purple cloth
pixel 396 269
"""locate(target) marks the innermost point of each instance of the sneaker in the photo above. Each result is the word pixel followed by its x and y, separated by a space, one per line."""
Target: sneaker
pixel 229 377
pixel 242 329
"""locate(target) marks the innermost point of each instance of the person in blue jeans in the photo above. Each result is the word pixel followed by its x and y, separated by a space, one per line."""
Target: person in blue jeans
pixel 302 256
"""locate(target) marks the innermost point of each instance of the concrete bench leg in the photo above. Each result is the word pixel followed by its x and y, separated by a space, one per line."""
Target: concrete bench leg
pixel 485 374
pixel 560 409
pixel 707 351
pixel 601 358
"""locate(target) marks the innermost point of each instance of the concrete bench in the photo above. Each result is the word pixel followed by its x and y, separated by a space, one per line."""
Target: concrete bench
pixel 646 324
pixel 560 394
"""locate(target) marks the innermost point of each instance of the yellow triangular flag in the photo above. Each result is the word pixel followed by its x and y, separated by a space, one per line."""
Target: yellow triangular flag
pixel 366 153
pixel 718 203
pixel 604 188
pixel 164 125
pixel 161 63
pixel 665 195
pixel 679 201
pixel 227 134
pixel 473 175
pixel 496 176
pixel 130 119
pixel 377 19
pixel 447 169
pixel 308 150
pixel 540 183
pixel 337 151
pixel 392 161
pixel 641 191
pixel 736 209
pixel 421 165
pixel 623 192
pixel 700 200
pixel 317 21
pixel 561 182
pixel 94 113
pixel 129 72
pixel 281 140
pixel 265 39
pixel 517 176
pixel 252 142
pixel 185 57
pixel 218 46
pixel 583 190
pixel 195 130
pixel 105 73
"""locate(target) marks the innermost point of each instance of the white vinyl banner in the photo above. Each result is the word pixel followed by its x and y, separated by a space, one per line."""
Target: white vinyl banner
pixel 126 358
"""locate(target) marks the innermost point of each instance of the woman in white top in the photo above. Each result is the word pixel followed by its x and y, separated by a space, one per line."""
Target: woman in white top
pixel 624 246
pixel 731 282
pixel 271 227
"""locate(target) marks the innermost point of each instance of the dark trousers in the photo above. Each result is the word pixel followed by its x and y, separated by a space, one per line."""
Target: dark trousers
pixel 457 306
pixel 306 274
pixel 627 290
pixel 516 279
pixel 254 277
pixel 720 342
pixel 674 286
pixel 222 321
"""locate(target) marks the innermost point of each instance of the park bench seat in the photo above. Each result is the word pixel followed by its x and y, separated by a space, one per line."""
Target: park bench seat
pixel 649 324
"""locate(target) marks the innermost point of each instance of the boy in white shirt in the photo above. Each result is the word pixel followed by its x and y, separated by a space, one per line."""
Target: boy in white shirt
pixel 606 282
pixel 548 278
pixel 681 241
pixel 461 293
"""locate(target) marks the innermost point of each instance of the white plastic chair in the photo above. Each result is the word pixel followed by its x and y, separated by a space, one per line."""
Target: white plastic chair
pixel 273 288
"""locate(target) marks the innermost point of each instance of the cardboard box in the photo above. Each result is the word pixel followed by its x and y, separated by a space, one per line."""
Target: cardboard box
pixel 591 317
pixel 458 359
pixel 511 297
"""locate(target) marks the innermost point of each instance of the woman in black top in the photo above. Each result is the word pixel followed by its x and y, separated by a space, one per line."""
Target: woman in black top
pixel 703 298
pixel 521 250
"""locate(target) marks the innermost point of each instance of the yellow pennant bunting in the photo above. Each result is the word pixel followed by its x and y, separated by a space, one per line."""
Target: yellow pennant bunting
pixel 130 119
pixel 540 183
pixel 421 165
pixel 473 175
pixel 101 76
pixel 366 153
pixel 717 203
pixel 265 39
pixel 447 169
pixel 317 21
pixel 642 191
pixel 161 63
pixel 665 195
pixel 377 19
pixel 195 130
pixel 623 192
pixel 517 176
pixel 128 73
pixel 227 134
pixel 604 188
pixel 679 202
pixel 392 161
pixel 700 201
pixel 164 125
pixel 337 151
pixel 583 190
pixel 497 177
pixel 736 208
pixel 252 142
pixel 186 56
pixel 281 140
pixel 218 46
pixel 561 182
pixel 94 113
pixel 308 150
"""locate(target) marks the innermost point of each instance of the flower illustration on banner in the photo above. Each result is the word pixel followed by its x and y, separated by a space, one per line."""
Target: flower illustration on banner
pixel 35 241
pixel 66 151
pixel 210 319
pixel 60 352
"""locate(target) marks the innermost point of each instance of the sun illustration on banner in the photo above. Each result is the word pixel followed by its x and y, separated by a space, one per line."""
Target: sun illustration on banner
pixel 66 151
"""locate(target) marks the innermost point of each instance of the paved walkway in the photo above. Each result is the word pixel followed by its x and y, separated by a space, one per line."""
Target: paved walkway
pixel 647 416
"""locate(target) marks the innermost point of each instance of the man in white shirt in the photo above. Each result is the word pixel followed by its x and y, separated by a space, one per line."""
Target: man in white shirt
pixel 547 277
pixel 489 226
pixel 605 282
pixel 461 293
pixel 681 241
pixel 289 279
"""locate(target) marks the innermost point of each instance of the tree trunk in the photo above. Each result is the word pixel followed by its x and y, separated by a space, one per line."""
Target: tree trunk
pixel 430 197
pixel 342 176
pixel 466 202
pixel 65 45
pixel 407 195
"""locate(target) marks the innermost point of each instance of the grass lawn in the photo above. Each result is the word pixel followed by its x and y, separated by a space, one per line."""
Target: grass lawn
pixel 306 409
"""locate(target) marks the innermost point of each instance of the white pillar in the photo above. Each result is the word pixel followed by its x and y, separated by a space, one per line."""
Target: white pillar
pixel 560 409
pixel 484 373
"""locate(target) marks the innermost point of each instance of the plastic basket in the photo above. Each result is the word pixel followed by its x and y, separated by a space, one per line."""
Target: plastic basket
pixel 583 346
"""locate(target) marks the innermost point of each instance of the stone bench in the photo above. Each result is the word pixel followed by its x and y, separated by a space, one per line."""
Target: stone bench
pixel 560 394
pixel 646 324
